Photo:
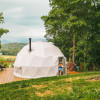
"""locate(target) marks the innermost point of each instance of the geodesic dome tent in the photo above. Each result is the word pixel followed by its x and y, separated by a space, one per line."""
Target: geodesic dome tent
pixel 42 61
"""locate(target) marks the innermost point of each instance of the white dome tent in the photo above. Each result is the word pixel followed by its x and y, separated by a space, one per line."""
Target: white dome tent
pixel 41 61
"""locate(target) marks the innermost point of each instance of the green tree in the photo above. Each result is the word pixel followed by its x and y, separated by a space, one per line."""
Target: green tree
pixel 72 24
pixel 2 31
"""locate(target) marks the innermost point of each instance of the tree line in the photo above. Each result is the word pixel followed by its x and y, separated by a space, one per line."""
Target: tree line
pixel 74 26
pixel 12 48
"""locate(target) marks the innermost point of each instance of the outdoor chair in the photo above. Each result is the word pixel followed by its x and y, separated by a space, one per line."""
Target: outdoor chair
pixel 2 67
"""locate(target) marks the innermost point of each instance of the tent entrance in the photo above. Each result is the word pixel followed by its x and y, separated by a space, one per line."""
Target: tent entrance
pixel 62 66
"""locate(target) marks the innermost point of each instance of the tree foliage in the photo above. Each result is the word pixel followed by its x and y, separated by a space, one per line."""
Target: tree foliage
pixel 74 26
pixel 2 31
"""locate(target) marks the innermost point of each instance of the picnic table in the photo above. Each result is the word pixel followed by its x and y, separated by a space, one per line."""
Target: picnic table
pixel 2 67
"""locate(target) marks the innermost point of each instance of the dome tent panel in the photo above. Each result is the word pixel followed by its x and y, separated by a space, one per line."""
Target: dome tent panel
pixel 53 71
pixel 22 60
pixel 30 72
pixel 27 72
pixel 39 73
pixel 41 62
pixel 53 51
pixel 35 61
pixel 45 70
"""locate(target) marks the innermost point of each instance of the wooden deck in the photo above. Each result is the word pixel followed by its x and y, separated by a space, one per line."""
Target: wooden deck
pixel 7 76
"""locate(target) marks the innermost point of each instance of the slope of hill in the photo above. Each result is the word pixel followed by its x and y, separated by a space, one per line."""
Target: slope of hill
pixel 12 48
pixel 85 86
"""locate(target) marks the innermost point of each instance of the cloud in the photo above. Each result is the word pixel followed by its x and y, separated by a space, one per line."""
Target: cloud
pixel 23 18
pixel 20 32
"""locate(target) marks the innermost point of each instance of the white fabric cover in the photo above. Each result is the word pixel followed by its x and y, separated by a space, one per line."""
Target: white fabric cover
pixel 42 61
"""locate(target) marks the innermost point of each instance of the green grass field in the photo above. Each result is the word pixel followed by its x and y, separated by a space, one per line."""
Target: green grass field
pixel 85 86
pixel 7 56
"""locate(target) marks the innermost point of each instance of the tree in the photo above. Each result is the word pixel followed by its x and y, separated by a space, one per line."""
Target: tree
pixel 72 24
pixel 2 31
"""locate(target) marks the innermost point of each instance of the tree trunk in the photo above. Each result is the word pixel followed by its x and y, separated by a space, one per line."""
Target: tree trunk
pixel 74 47
pixel 69 55
pixel 81 66
pixel 85 57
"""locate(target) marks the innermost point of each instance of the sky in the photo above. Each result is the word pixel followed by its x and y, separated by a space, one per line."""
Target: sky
pixel 23 19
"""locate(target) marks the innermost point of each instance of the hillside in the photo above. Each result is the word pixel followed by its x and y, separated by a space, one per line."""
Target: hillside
pixel 85 86
pixel 12 48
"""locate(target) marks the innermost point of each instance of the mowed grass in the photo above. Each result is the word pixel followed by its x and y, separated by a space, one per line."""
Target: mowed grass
pixel 8 57
pixel 68 87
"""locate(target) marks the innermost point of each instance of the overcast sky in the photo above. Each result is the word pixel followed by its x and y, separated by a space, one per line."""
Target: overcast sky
pixel 23 18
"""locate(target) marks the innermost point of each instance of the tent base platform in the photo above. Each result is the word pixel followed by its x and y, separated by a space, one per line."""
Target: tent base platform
pixel 7 76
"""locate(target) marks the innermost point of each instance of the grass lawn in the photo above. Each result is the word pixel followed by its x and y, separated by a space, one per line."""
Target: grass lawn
pixel 7 56
pixel 85 86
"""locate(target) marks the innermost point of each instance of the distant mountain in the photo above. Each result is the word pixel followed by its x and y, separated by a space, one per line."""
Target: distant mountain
pixel 14 48
pixel 5 41
pixel 23 40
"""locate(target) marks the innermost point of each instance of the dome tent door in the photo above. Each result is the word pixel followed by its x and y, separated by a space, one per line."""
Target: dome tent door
pixel 62 66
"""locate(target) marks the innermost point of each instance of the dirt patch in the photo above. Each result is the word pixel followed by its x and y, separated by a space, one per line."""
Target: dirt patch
pixel 46 93
pixel 96 77
pixel 39 86
pixel 71 79
pixel 92 79
pixel 69 88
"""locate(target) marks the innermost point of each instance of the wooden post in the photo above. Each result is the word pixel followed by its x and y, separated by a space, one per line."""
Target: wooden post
pixel 85 57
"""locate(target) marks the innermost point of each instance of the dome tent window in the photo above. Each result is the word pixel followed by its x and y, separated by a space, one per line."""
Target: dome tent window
pixel 18 70
pixel 42 61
